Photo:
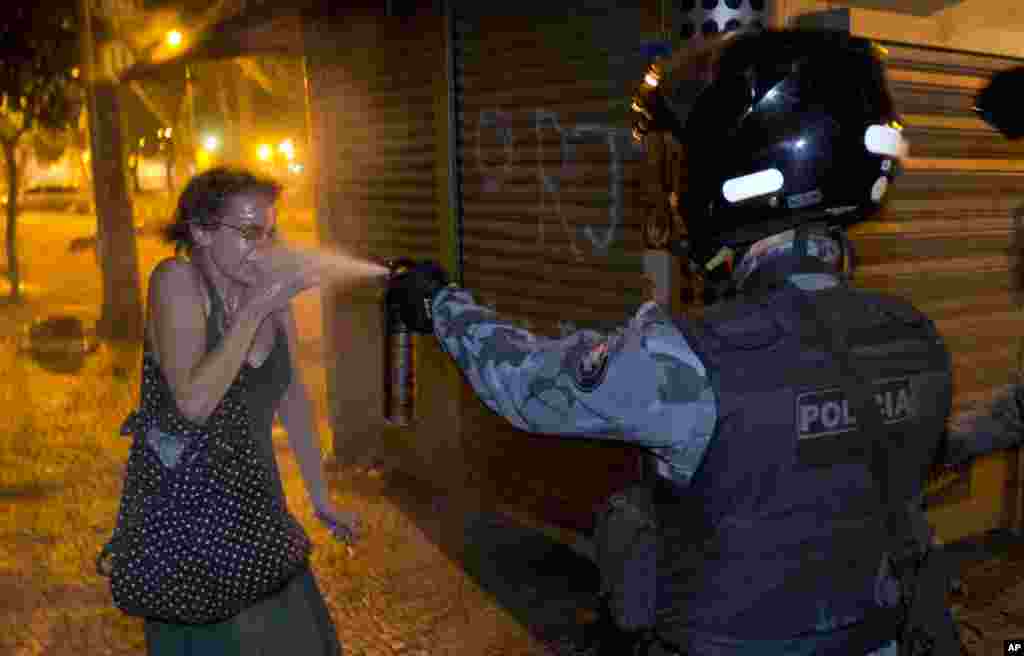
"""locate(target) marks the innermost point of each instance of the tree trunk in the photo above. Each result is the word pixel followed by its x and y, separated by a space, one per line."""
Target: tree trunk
pixel 121 315
pixel 169 173
pixel 11 159
pixel 231 138
pixel 243 91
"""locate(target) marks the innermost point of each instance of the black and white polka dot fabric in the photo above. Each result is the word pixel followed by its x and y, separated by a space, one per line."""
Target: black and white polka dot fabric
pixel 200 533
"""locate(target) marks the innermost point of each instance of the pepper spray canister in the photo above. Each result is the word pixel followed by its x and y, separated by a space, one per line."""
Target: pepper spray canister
pixel 399 360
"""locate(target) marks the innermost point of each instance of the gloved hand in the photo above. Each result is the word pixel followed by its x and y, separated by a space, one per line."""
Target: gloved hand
pixel 411 290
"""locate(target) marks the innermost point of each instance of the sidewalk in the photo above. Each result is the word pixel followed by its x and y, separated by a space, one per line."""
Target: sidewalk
pixel 989 602
pixel 462 580
pixel 541 593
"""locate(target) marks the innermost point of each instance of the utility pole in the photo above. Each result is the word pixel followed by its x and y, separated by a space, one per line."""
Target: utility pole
pixel 121 314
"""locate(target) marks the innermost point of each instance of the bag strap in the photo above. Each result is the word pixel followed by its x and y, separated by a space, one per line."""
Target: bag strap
pixel 133 424
pixel 217 313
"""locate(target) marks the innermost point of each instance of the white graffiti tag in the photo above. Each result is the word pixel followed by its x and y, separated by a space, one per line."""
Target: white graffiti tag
pixel 552 180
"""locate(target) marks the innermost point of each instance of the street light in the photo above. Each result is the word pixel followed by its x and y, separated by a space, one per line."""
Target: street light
pixel 287 148
pixel 264 152
pixel 175 38
pixel 211 143
pixel 204 158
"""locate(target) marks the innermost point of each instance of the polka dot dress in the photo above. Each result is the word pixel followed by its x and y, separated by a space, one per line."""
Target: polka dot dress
pixel 200 535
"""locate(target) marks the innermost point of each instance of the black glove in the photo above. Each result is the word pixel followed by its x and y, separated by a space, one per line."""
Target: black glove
pixel 997 102
pixel 411 290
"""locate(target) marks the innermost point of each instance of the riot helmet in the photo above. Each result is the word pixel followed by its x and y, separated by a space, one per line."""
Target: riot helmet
pixel 795 128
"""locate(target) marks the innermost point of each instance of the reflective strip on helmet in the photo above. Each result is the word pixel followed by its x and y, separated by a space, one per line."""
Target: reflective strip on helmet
pixel 884 140
pixel 753 185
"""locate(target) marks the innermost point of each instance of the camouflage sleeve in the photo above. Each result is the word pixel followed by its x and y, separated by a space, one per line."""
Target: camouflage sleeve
pixel 641 383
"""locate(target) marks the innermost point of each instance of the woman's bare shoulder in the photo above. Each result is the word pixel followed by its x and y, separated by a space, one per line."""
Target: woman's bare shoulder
pixel 174 279
pixel 176 308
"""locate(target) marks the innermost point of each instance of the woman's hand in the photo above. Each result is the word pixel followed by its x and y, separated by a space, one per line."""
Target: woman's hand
pixel 283 275
pixel 345 526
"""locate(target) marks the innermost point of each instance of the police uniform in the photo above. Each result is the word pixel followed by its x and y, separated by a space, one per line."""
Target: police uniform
pixel 766 531
pixel 785 425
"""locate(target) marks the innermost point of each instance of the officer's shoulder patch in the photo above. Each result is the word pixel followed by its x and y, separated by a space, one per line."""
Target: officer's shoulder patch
pixel 590 365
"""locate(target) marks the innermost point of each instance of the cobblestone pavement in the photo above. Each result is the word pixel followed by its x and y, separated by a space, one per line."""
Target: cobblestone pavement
pixel 988 603
pixel 433 578
pixel 514 591
pixel 517 592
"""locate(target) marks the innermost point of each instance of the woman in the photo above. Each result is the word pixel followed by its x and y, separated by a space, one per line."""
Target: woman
pixel 228 278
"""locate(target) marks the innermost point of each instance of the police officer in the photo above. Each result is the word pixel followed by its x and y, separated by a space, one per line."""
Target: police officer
pixel 794 424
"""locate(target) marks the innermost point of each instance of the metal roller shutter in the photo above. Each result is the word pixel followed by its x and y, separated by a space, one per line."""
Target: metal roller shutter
pixel 551 180
pixel 554 196
pixel 376 91
pixel 943 239
pixel 374 101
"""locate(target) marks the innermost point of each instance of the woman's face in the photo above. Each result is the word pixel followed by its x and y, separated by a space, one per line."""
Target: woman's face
pixel 248 225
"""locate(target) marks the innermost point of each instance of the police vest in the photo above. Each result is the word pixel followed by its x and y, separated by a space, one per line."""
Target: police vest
pixel 777 536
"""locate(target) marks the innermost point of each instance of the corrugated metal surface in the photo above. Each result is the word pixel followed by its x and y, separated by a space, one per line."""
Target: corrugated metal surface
pixel 373 96
pixel 943 239
pixel 552 183
pixel 554 200
pixel 941 242
pixel 555 196
pixel 377 91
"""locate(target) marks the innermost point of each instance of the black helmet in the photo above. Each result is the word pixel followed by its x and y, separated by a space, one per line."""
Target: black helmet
pixel 997 103
pixel 796 127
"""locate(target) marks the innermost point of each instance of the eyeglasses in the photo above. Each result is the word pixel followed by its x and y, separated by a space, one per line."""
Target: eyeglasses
pixel 252 232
